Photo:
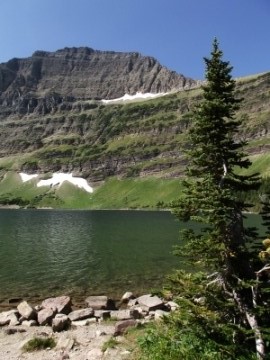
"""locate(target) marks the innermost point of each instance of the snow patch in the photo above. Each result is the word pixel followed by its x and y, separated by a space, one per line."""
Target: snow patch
pixel 58 179
pixel 138 95
pixel 27 177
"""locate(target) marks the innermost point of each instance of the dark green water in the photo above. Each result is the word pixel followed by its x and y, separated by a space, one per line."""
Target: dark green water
pixel 48 252
pixel 52 252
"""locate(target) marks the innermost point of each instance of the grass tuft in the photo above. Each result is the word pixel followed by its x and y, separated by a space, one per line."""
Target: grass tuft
pixel 39 343
pixel 109 344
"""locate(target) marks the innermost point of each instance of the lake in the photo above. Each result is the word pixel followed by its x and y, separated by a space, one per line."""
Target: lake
pixel 80 253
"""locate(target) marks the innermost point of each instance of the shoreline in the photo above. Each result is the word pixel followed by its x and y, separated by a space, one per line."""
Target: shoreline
pixel 83 333
pixel 17 207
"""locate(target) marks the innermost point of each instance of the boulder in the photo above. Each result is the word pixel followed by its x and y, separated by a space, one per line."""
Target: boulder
pixel 160 314
pixel 29 323
pixel 45 316
pixel 4 320
pixel 127 296
pixel 38 308
pixel 26 311
pixel 172 305
pixel 61 303
pixel 150 316
pixel 122 326
pixel 81 314
pixel 150 303
pixel 60 322
pixel 131 303
pixel 139 312
pixel 121 314
pixel 14 321
pixel 9 318
pixel 102 314
pixel 97 302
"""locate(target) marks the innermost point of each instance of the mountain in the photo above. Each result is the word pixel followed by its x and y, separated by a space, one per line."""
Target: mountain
pixel 55 121
pixel 47 80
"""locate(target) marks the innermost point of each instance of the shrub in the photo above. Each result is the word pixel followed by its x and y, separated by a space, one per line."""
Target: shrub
pixel 39 343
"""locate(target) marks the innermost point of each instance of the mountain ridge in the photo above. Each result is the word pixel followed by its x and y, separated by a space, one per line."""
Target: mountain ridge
pixel 69 74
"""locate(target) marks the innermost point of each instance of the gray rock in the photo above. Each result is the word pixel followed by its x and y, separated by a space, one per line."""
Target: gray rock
pixel 60 322
pixel 150 316
pixel 81 314
pixel 27 311
pixel 121 314
pixel 122 326
pixel 14 321
pixel 45 316
pixel 200 300
pixel 29 323
pixel 61 303
pixel 97 302
pixel 102 314
pixel 172 305
pixel 3 320
pixel 38 308
pixel 127 296
pixel 139 312
pixel 160 314
pixel 149 302
pixel 131 303
pixel 9 318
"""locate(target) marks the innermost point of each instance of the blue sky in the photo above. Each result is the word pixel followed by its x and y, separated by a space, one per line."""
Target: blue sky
pixel 178 33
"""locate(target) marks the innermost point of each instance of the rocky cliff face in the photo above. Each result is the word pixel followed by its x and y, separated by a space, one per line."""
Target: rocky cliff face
pixel 49 80
pixel 51 119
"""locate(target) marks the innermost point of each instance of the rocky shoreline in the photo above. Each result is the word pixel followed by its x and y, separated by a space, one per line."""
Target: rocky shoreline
pixel 92 325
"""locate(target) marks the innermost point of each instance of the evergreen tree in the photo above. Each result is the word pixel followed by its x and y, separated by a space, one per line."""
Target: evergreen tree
pixel 265 211
pixel 212 198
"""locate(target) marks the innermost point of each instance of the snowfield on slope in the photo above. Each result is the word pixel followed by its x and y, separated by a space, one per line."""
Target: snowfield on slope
pixel 58 179
pixel 137 96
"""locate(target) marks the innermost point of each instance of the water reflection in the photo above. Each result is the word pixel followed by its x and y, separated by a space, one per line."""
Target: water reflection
pixel 66 251
pixel 51 252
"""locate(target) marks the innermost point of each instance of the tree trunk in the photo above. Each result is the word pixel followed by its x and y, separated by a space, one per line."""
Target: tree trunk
pixel 253 323
pixel 239 269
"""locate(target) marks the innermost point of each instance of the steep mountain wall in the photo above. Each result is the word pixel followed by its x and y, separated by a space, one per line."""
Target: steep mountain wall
pixel 48 80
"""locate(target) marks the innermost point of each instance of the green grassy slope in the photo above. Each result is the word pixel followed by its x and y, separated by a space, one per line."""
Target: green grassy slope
pixel 136 193
pixel 150 193
pixel 135 150
pixel 133 193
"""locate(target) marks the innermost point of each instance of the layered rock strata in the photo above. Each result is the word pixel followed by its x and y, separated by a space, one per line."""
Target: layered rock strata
pixel 50 80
